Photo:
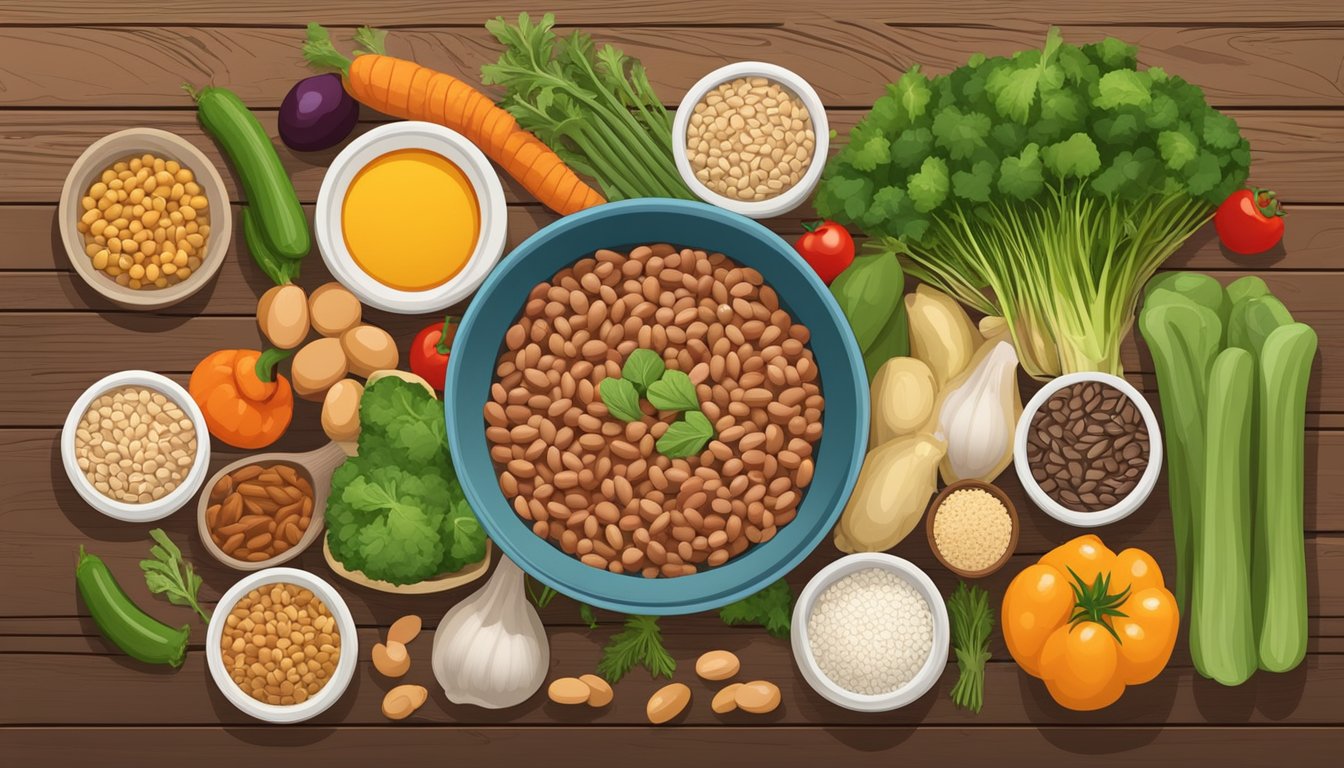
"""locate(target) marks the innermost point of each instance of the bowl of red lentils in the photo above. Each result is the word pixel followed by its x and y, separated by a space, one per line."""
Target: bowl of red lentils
pixel 145 218
pixel 751 137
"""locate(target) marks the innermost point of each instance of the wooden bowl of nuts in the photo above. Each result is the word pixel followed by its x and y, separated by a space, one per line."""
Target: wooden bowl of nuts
pixel 145 218
pixel 972 528
pixel 264 510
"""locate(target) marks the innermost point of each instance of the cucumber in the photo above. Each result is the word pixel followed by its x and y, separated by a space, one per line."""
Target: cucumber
pixel 278 268
pixel 139 635
pixel 1222 637
pixel 1278 558
pixel 269 192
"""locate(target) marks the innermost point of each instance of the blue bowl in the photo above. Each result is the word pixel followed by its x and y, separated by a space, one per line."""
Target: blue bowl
pixel 622 226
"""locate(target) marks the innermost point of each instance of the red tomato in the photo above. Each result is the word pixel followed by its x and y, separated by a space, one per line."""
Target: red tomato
pixel 1249 221
pixel 827 248
pixel 429 351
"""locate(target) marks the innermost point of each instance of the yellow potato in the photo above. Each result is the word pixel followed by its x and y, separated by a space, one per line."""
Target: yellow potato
pixel 282 315
pixel 340 411
pixel 333 309
pixel 318 366
pixel 369 349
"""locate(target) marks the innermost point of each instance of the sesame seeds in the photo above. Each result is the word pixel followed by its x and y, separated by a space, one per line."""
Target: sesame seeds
pixel 972 529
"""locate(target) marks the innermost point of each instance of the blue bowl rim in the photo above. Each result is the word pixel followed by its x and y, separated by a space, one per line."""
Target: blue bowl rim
pixel 627 593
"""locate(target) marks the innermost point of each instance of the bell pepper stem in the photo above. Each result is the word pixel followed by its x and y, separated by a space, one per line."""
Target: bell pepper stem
pixel 268 360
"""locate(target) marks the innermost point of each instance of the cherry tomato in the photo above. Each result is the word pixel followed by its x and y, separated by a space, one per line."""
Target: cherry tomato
pixel 429 351
pixel 1147 633
pixel 1079 663
pixel 1136 570
pixel 1249 221
pixel 827 248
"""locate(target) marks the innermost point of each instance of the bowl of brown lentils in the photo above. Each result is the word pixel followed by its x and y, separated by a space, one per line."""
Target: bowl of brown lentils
pixel 135 446
pixel 1088 449
pixel 751 137
pixel 145 218
pixel 281 645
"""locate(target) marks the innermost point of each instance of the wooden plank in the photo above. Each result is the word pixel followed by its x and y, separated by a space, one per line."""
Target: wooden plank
pixel 1298 153
pixel 1313 240
pixel 846 61
pixel 1027 13
pixel 858 746
pixel 1178 696
pixel 46 523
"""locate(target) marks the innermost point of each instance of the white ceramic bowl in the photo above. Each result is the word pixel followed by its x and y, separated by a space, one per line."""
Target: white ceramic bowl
pixel 345 666
pixel 792 197
pixel 489 197
pixel 1123 508
pixel 116 147
pixel 172 501
pixel 860 702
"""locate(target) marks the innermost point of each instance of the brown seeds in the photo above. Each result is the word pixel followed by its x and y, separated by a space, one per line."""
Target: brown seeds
pixel 1087 446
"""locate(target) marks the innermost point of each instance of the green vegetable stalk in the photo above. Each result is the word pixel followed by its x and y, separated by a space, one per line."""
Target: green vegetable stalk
pixel 1222 639
pixel 1279 569
pixel 972 621
pixel 594 107
pixel 1046 187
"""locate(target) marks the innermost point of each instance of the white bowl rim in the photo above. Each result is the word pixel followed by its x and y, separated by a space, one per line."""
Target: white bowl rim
pixel 411 134
pixel 345 666
pixel 923 680
pixel 1124 507
pixel 172 501
pixel 821 131
pixel 117 145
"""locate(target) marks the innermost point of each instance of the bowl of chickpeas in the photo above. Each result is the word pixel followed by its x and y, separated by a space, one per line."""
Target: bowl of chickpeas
pixel 145 218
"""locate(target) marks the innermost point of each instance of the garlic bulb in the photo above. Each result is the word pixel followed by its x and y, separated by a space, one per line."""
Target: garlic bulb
pixel 978 415
pixel 491 649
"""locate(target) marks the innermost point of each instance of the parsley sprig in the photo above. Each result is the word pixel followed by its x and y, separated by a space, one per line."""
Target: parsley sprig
pixel 640 643
pixel 166 573
pixel 771 608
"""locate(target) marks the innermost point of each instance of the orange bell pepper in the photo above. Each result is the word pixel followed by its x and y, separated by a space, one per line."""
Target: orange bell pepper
pixel 1090 622
pixel 246 404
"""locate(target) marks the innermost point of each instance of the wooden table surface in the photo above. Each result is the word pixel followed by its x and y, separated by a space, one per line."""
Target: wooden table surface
pixel 73 71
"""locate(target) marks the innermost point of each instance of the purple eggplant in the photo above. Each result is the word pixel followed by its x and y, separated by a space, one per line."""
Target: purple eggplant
pixel 317 114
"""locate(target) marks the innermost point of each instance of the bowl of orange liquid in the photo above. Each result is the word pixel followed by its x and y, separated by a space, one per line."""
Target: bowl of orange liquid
pixel 411 217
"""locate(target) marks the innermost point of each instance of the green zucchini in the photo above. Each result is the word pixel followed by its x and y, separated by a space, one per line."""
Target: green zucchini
pixel 265 183
pixel 1183 337
pixel 1221 625
pixel 1278 559
pixel 137 634
pixel 278 268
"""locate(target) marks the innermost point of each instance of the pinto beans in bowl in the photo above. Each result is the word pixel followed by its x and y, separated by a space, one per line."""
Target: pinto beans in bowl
pixel 655 412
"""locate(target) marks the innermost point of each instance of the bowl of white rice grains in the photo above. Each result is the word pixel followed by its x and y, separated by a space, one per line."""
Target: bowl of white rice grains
pixel 870 632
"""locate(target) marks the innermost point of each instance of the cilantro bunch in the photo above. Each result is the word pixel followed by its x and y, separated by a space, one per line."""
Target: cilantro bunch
pixel 396 511
pixel 1046 187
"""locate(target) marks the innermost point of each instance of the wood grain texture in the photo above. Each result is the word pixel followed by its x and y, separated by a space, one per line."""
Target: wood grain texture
pixel 592 12
pixel 847 61
pixel 1298 153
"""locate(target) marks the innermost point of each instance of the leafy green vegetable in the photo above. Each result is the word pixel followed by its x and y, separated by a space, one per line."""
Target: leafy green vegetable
pixel 686 437
pixel 396 511
pixel 972 621
pixel 594 107
pixel 673 392
pixel 166 573
pixel 1046 187
pixel 643 367
pixel 771 608
pixel 586 614
pixel 621 399
pixel 639 643
pixel 870 293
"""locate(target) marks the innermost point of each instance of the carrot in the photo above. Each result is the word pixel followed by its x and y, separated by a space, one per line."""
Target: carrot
pixel 407 90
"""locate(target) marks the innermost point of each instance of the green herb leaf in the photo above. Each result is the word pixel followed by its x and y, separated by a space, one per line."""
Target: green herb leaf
pixel 686 437
pixel 621 399
pixel 642 368
pixel 971 619
pixel 639 643
pixel 771 608
pixel 586 614
pixel 167 574
pixel 673 392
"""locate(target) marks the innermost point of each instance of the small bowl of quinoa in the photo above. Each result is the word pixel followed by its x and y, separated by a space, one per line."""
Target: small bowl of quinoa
pixel 870 632
pixel 752 138
pixel 972 528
